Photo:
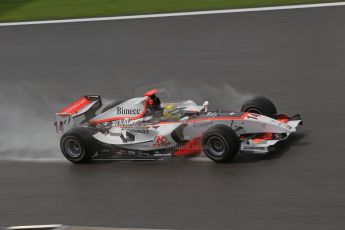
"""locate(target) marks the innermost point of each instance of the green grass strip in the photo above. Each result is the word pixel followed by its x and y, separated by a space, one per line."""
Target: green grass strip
pixel 29 10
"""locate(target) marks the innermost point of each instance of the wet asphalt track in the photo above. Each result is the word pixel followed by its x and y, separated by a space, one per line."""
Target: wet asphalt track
pixel 296 57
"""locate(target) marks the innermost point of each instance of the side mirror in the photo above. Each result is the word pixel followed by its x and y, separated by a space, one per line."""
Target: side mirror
pixel 205 105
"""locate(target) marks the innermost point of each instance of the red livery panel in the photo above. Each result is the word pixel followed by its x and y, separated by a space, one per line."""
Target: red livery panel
pixel 76 106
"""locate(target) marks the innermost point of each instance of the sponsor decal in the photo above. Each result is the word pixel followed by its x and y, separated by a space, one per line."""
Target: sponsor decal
pixel 123 111
pixel 131 152
pixel 143 131
pixel 121 152
pixel 211 114
pixel 283 124
pixel 124 122
pixel 202 124
pixel 125 153
pixel 253 148
pixel 160 141
pixel 162 154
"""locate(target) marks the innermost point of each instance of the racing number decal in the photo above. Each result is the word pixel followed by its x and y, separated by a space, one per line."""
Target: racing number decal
pixel 59 125
pixel 253 116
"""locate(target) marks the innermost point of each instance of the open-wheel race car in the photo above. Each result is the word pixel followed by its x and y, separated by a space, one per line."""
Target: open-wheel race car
pixel 146 128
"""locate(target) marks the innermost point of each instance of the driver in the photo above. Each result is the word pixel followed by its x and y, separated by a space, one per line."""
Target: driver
pixel 171 112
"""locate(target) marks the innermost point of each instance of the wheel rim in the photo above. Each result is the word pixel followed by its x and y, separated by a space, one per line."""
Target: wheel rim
pixel 73 148
pixel 216 146
pixel 254 110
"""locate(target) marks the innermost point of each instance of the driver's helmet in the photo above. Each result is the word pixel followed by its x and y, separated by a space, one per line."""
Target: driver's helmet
pixel 171 112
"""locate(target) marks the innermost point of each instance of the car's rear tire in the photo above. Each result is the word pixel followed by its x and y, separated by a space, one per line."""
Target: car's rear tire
pixel 220 143
pixel 78 145
pixel 111 105
pixel 260 105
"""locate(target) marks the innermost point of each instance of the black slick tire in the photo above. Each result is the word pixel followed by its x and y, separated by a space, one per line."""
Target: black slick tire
pixel 260 105
pixel 78 145
pixel 220 143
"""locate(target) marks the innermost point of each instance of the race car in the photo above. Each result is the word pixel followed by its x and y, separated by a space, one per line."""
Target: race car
pixel 144 128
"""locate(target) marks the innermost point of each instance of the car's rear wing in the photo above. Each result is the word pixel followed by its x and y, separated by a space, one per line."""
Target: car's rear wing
pixel 77 113
pixel 86 104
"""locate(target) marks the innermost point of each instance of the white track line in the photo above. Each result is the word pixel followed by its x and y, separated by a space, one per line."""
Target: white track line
pixel 50 226
pixel 257 9
pixel 63 227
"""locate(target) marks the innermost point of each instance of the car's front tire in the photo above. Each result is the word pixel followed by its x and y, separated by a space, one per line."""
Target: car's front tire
pixel 220 143
pixel 260 105
pixel 78 145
